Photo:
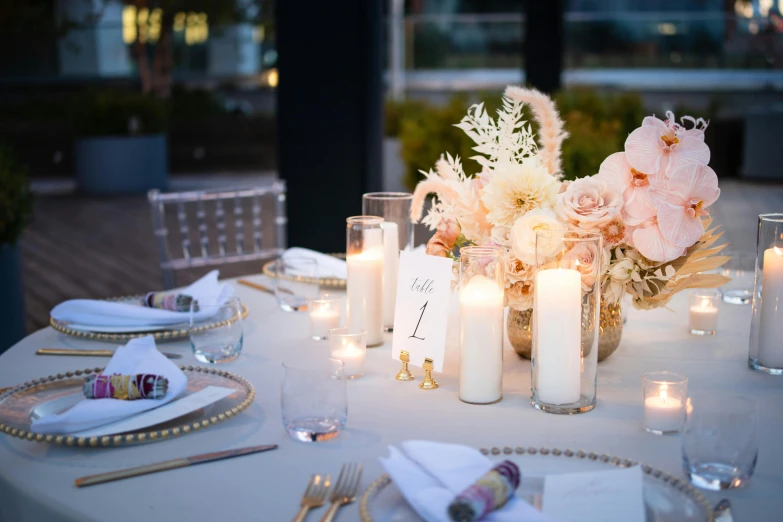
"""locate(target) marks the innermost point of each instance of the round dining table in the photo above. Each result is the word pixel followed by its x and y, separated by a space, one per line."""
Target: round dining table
pixel 37 479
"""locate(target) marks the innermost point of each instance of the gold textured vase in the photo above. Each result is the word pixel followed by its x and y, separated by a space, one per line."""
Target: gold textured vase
pixel 519 326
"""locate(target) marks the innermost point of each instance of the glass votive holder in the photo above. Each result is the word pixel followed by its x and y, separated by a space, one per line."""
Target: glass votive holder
pixel 664 394
pixel 719 443
pixel 703 311
pixel 349 346
pixel 324 316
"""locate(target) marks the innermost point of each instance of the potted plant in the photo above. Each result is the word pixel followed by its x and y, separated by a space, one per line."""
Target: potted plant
pixel 121 144
pixel 16 207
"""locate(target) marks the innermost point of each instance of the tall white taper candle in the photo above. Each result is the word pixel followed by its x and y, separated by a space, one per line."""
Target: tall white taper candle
pixel 481 341
pixel 770 352
pixel 558 335
pixel 365 288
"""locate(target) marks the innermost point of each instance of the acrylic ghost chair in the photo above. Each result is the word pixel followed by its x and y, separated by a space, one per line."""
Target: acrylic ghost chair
pixel 214 227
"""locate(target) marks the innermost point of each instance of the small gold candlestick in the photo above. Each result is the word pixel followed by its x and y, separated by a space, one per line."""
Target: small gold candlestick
pixel 404 374
pixel 428 383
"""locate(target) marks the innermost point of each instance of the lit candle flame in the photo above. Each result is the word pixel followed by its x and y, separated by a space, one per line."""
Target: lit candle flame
pixel 778 251
pixel 705 303
pixel 664 393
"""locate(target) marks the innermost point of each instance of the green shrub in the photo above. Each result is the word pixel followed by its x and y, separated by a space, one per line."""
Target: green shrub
pixel 118 113
pixel 597 124
pixel 16 200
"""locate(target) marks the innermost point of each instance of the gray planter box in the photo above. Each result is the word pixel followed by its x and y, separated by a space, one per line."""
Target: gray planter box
pixel 121 164
pixel 12 327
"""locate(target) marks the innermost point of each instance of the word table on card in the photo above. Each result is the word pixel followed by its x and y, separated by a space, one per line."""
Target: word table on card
pixel 421 311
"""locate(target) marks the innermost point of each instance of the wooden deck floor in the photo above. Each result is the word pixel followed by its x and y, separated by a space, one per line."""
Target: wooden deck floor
pixel 88 247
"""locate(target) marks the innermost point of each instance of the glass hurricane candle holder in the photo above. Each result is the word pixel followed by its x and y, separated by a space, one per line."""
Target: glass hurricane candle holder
pixel 703 311
pixel 482 280
pixel 364 257
pixel 350 347
pixel 766 328
pixel 395 209
pixel 664 395
pixel 324 316
pixel 567 299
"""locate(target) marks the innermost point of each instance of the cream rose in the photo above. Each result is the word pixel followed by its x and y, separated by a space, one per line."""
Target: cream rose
pixel 523 234
pixel 588 204
pixel 589 260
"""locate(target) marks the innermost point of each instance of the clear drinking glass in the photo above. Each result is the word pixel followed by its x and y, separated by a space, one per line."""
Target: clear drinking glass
pixel 313 399
pixel 703 311
pixel 481 306
pixel 567 298
pixel 222 343
pixel 740 268
pixel 766 328
pixel 664 394
pixel 719 446
pixel 296 282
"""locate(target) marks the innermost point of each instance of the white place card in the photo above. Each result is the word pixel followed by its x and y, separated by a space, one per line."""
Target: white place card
pixel 422 308
pixel 167 412
pixel 614 495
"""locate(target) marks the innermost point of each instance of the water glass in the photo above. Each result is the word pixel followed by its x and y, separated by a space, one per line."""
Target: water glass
pixel 740 268
pixel 296 282
pixel 719 446
pixel 216 329
pixel 313 399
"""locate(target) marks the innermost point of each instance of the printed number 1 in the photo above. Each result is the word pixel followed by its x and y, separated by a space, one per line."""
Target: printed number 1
pixel 423 309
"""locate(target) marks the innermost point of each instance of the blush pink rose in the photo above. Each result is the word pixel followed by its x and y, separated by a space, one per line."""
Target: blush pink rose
pixel 588 203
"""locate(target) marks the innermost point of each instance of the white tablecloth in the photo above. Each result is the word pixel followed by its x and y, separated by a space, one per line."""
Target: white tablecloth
pixel 36 480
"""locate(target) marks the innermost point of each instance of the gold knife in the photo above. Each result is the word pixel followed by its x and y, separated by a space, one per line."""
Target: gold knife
pixel 261 287
pixel 90 353
pixel 169 464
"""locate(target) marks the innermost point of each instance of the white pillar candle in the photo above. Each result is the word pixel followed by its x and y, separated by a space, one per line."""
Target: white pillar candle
pixel 663 413
pixel 365 291
pixel 481 341
pixel 558 335
pixel 352 357
pixel 770 352
pixel 704 316
pixel 323 319
pixel 391 263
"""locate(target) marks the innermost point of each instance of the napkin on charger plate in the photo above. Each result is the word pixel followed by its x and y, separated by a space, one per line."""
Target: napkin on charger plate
pixel 431 474
pixel 138 356
pixel 93 312
pixel 328 266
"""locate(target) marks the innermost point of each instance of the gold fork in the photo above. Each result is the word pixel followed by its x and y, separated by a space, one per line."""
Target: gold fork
pixel 345 489
pixel 314 496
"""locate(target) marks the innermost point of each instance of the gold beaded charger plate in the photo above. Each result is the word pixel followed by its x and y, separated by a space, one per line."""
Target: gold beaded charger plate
pixel 666 498
pixel 124 334
pixel 24 402
pixel 324 282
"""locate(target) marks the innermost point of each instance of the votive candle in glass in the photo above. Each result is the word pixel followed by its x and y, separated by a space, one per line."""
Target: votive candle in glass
pixel 664 394
pixel 324 315
pixel 482 278
pixel 349 346
pixel 703 311
pixel 364 257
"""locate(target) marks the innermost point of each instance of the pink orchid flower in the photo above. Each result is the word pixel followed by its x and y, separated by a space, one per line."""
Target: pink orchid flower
pixel 664 146
pixel 632 184
pixel 682 200
pixel 649 241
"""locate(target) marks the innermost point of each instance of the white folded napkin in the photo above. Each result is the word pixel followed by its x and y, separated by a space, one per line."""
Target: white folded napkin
pixel 328 266
pixel 93 312
pixel 430 474
pixel 138 356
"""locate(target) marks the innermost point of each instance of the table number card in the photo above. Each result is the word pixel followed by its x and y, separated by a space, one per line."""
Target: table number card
pixel 421 311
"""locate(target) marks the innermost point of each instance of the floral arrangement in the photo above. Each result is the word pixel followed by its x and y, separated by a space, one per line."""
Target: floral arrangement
pixel 649 202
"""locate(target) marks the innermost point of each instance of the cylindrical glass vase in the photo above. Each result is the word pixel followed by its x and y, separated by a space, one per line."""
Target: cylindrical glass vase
pixel 482 278
pixel 364 257
pixel 766 330
pixel 395 209
pixel 567 302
